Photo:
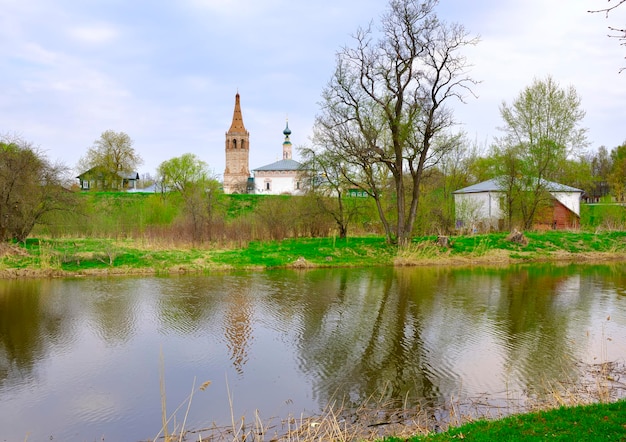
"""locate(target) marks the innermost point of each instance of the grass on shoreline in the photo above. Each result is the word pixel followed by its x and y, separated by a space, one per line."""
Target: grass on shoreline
pixel 593 422
pixel 88 256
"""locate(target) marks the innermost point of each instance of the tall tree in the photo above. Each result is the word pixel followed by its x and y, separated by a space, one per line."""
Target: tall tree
pixel 385 105
pixel 617 176
pixel 191 177
pixel 541 130
pixel 113 155
pixel 30 188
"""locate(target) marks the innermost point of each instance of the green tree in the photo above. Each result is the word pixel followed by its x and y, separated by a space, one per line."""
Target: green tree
pixel 329 180
pixel 541 131
pixel 451 173
pixel 30 188
pixel 385 106
pixel 111 157
pixel 183 173
pixel 601 165
pixel 199 189
pixel 617 176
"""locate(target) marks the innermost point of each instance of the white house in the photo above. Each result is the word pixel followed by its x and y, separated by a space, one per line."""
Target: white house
pixel 481 205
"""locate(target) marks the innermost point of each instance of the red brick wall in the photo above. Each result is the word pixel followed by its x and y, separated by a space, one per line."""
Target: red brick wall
pixel 559 217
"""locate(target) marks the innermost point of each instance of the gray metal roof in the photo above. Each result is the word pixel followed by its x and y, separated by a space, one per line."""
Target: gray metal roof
pixel 495 185
pixel 280 165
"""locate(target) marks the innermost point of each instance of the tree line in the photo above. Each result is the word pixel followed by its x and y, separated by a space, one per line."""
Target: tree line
pixel 385 128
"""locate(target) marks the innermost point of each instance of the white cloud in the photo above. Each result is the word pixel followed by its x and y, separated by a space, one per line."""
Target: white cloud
pixel 167 72
pixel 96 33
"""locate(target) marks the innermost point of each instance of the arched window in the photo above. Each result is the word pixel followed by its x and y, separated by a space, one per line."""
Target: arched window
pixel 234 144
pixel 243 144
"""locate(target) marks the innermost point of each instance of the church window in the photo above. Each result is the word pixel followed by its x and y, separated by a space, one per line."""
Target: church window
pixel 234 144
pixel 267 186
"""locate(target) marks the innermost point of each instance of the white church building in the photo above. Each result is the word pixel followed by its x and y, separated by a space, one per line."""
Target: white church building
pixel 278 178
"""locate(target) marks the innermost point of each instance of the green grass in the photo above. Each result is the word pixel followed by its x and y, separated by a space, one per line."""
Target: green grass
pixel 606 213
pixel 359 251
pixel 595 422
pixel 85 255
pixel 77 255
pixel 238 205
pixel 543 242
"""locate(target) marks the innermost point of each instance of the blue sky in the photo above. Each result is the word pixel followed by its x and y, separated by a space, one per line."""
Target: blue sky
pixel 166 72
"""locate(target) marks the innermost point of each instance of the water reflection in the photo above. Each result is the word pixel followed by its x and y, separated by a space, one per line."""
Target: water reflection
pixel 238 330
pixel 88 349
pixel 30 327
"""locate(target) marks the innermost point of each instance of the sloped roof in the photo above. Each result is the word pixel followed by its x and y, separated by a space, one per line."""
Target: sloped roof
pixel 282 165
pixel 495 185
pixel 98 171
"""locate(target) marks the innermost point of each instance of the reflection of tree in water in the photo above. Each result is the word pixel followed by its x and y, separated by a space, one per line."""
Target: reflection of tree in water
pixel 238 325
pixel 28 326
pixel 400 333
pixel 113 306
pixel 361 336
pixel 186 304
pixel 536 325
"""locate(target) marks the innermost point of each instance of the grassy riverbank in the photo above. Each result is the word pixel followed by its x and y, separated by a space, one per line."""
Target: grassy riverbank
pixel 594 422
pixel 88 256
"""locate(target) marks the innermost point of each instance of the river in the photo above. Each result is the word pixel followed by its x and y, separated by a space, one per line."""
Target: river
pixel 90 359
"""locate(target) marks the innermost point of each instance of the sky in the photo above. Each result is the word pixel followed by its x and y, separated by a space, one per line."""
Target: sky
pixel 166 72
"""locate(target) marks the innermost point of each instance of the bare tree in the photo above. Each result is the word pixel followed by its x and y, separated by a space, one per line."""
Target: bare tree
pixel 617 32
pixel 30 188
pixel 384 110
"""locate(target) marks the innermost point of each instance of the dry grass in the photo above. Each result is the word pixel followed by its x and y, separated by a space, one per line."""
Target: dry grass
pixel 379 417
pixel 425 254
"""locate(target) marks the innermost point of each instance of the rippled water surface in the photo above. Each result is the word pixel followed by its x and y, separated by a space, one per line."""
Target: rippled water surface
pixel 83 359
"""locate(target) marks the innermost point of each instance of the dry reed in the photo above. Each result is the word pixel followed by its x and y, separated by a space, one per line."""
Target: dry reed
pixel 380 417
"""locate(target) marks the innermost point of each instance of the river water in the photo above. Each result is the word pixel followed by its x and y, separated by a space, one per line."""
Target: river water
pixel 86 359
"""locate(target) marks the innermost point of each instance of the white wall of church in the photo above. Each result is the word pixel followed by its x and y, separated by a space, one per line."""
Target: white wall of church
pixel 276 185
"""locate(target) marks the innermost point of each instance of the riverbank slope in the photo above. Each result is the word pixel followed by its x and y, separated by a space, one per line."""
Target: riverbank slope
pixel 64 257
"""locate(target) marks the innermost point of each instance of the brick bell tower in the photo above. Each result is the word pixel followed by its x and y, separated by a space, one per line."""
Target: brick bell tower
pixel 237 172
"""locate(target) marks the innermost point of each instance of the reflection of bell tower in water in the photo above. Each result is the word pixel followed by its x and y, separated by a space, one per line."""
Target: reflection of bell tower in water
pixel 238 329
pixel 237 153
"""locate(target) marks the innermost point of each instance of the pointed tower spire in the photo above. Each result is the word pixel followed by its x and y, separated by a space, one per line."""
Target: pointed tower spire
pixel 237 124
pixel 237 172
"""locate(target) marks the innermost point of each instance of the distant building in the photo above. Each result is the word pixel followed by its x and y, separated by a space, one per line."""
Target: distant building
pixel 481 206
pixel 98 178
pixel 280 177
